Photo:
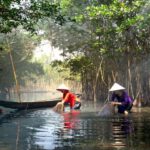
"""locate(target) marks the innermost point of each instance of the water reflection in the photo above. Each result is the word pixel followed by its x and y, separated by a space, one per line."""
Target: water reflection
pixel 71 119
pixel 45 129
pixel 121 129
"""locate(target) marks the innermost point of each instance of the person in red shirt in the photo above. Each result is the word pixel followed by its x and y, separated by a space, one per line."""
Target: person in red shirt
pixel 69 98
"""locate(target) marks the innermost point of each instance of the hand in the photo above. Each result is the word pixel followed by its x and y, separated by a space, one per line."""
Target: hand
pixel 115 103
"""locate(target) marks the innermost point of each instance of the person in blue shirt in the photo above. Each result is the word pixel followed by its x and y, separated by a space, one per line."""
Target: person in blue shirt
pixel 121 99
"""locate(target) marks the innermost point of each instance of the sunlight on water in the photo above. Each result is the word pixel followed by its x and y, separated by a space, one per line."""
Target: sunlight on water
pixel 44 129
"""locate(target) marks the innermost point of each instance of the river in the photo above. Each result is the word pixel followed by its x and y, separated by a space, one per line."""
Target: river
pixel 44 129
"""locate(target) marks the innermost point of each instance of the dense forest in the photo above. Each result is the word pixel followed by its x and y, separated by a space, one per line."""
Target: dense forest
pixel 102 42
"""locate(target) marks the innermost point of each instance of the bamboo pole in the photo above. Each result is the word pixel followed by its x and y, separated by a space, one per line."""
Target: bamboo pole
pixel 14 71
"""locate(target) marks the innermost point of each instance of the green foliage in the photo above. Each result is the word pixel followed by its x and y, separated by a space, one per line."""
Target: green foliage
pixel 115 24
pixel 79 64
pixel 91 29
pixel 60 66
pixel 27 14
pixel 62 70
pixel 108 29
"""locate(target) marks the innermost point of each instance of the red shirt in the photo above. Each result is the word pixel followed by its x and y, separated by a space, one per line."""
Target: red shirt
pixel 69 98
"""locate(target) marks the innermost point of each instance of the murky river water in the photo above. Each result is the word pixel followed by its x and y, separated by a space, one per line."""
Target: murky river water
pixel 44 129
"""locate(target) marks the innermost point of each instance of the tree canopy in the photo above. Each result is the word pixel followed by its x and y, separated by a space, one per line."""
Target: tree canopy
pixel 95 36
pixel 27 13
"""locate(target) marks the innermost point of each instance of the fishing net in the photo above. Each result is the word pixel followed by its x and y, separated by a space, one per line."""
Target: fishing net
pixel 107 110
pixel 59 107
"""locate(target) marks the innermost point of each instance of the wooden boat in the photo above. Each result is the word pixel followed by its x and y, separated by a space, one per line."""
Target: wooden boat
pixel 29 105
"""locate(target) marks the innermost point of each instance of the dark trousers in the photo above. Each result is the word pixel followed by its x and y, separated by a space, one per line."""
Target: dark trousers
pixel 77 105
pixel 122 108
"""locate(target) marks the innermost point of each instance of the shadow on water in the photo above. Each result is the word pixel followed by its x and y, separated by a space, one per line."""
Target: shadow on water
pixel 44 129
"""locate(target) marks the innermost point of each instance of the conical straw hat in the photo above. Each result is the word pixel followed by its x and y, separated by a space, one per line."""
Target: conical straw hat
pixel 62 87
pixel 116 87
